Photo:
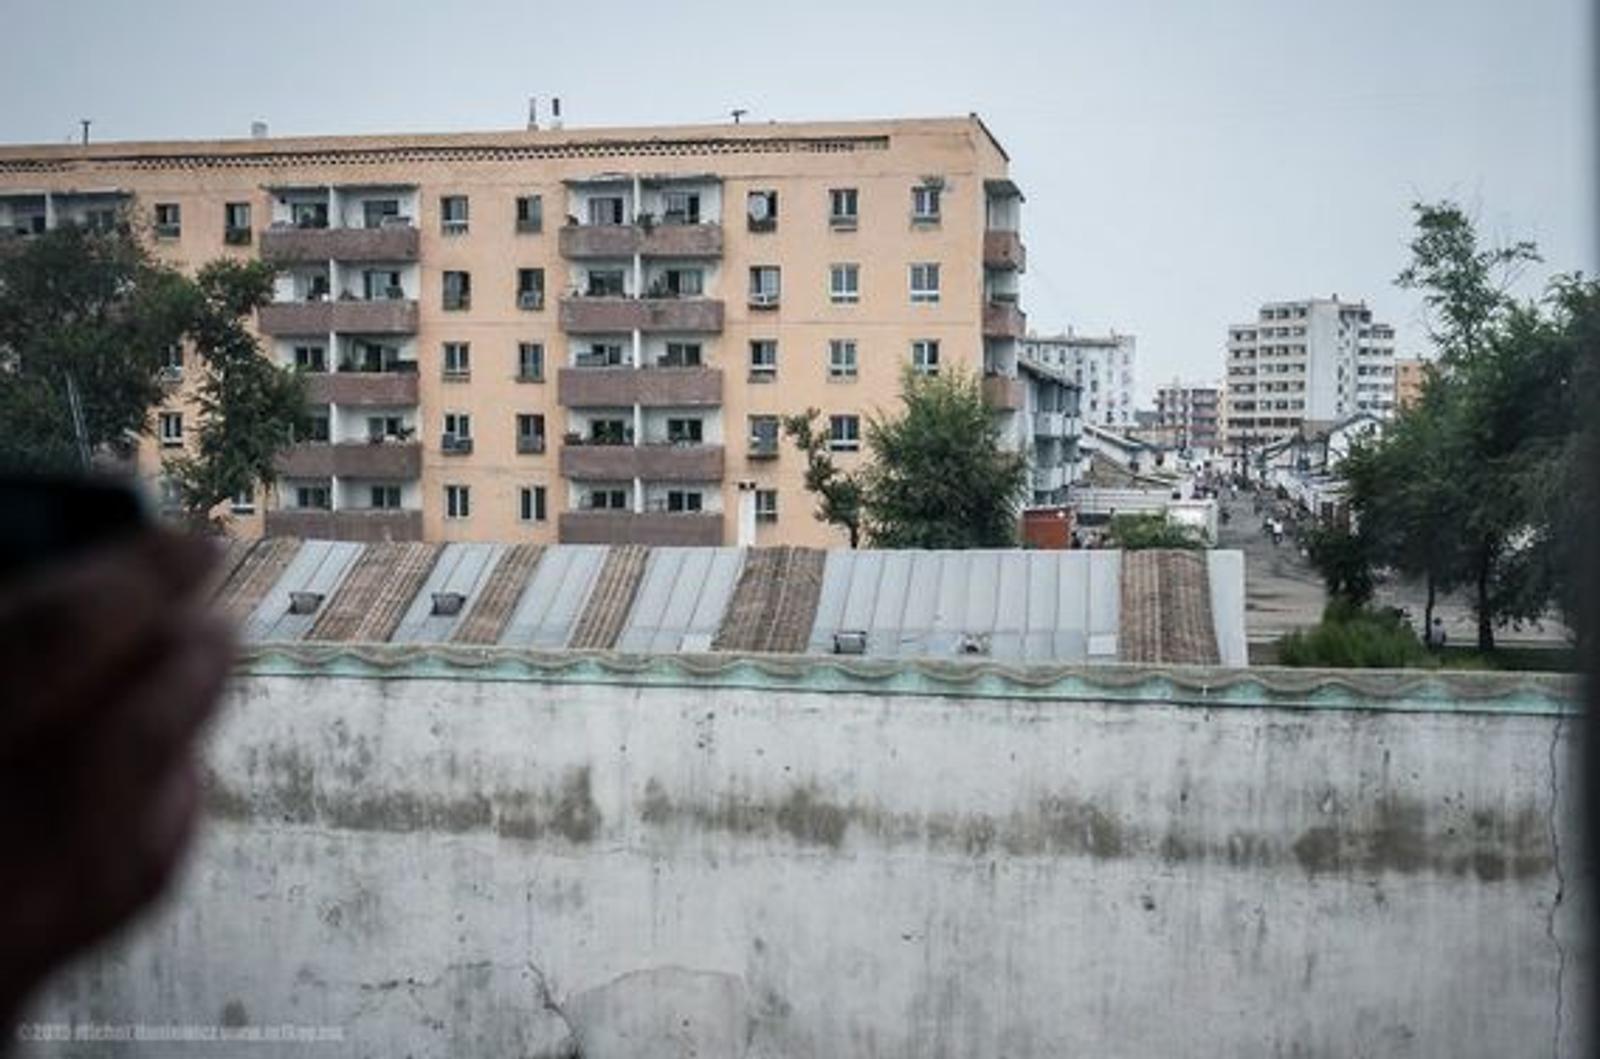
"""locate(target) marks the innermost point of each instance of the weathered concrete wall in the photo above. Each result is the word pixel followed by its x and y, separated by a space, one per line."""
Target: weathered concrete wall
pixel 443 866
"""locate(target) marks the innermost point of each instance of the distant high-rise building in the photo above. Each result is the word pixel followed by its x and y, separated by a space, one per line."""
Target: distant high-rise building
pixel 1409 375
pixel 1191 415
pixel 1101 365
pixel 1317 360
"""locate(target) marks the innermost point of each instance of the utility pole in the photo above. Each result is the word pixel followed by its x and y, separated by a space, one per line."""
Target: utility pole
pixel 85 122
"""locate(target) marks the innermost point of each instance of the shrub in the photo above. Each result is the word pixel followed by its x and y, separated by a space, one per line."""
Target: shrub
pixel 1352 637
pixel 1136 532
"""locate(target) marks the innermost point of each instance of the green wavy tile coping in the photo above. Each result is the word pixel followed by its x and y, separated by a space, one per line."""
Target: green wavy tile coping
pixel 1200 686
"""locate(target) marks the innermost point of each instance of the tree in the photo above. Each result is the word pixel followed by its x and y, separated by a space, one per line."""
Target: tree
pixel 90 312
pixel 1138 532
pixel 839 493
pixel 1341 557
pixel 937 477
pixel 249 407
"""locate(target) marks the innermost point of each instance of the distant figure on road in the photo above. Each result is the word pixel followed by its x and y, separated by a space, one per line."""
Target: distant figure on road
pixel 1435 635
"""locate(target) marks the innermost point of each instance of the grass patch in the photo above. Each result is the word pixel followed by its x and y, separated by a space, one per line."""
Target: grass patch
pixel 1351 637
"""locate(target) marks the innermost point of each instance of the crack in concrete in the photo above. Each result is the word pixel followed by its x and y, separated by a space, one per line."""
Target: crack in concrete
pixel 1561 888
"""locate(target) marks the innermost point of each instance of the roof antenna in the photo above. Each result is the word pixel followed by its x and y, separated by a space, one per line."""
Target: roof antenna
pixel 738 112
pixel 85 122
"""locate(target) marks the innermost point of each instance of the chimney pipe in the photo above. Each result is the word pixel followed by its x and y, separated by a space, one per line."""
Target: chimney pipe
pixel 555 112
pixel 258 130
pixel 533 113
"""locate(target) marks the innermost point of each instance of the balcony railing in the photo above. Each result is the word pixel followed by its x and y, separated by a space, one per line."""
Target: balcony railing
pixel 384 460
pixel 532 445
pixel 455 445
pixel 612 387
pixel 658 463
pixel 579 241
pixel 361 524
pixel 689 529
pixel 660 315
pixel 1003 393
pixel 387 389
pixel 1004 250
pixel 1003 319
pixel 389 316
pixel 394 241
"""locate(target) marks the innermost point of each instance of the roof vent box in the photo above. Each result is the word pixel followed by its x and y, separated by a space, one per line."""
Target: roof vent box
pixel 448 604
pixel 304 602
pixel 850 642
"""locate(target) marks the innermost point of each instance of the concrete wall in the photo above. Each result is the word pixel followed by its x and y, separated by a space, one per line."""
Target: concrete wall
pixel 769 859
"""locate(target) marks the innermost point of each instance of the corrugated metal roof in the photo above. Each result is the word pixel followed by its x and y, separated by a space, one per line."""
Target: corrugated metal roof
pixel 462 569
pixel 681 601
pixel 318 567
pixel 555 597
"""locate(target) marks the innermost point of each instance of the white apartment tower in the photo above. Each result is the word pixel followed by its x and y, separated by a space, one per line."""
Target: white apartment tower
pixel 1101 365
pixel 1317 360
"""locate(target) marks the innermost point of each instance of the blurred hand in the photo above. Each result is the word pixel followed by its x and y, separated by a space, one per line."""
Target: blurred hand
pixel 108 666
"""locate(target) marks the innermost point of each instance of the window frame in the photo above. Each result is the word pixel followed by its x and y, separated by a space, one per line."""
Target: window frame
pixel 844 360
pixel 455 360
pixel 849 443
pixel 925 295
pixel 451 224
pixel 844 219
pixel 921 363
pixel 457 502
pixel 847 293
pixel 536 349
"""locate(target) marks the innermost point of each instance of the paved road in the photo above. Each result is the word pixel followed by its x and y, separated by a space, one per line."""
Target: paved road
pixel 1283 592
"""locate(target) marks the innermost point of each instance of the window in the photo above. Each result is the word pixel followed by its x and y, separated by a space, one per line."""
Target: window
pixel 311 358
pixel 685 431
pixel 458 425
pixel 609 432
pixel 169 220
pixel 530 433
pixel 386 428
pixel 606 283
pixel 925 356
pixel 457 501
pixel 766 505
pixel 320 427
pixel 762 210
pixel 530 361
pixel 842 207
pixel 172 361
pixel 318 497
pixel 681 207
pixel 378 284
pixel 606 209
pixel 171 429
pixel 763 436
pixel 376 213
pixel 844 433
pixel 531 503
pixel 530 213
pixel 844 284
pixel 679 283
pixel 765 286
pixel 607 499
pixel 530 288
pixel 243 502
pixel 236 223
pixel 457 360
pixel 600 355
pixel 924 283
pixel 384 497
pixel 683 501
pixel 681 355
pixel 842 358
pixel 453 214
pixel 308 214
pixel 457 290
pixel 763 359
pixel 925 203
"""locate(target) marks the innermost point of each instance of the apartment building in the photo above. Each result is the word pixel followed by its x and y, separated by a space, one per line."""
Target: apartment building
pixel 1409 375
pixel 1191 416
pixel 1050 428
pixel 1316 360
pixel 1102 366
pixel 576 335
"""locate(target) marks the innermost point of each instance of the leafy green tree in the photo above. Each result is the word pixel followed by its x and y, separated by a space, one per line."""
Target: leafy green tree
pixel 1343 560
pixel 249 407
pixel 90 312
pixel 1138 532
pixel 937 476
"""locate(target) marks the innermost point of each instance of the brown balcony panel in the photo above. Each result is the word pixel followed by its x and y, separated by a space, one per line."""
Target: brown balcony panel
pixel 656 463
pixel 600 240
pixel 386 460
pixel 625 527
pixel 295 318
pixel 650 387
pixel 661 315
pixel 288 245
pixel 397 317
pixel 1004 320
pixel 1002 393
pixel 1004 250
pixel 363 388
pixel 683 240
pixel 346 525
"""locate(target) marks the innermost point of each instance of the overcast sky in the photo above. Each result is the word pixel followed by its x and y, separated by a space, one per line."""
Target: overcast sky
pixel 1183 161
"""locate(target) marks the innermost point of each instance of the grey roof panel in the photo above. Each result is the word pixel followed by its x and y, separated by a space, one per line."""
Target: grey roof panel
pixel 320 567
pixel 550 606
pixel 462 568
pixel 1105 604
pixel 681 599
pixel 1225 574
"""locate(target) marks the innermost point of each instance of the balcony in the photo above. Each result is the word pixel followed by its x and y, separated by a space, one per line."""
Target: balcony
pixel 1049 479
pixel 1003 319
pixel 648 387
pixel 1003 394
pixel 383 460
pixel 1004 250
pixel 388 389
pixel 579 241
pixel 1050 424
pixel 656 463
pixel 287 245
pixel 626 527
pixel 395 316
pixel 362 524
pixel 660 315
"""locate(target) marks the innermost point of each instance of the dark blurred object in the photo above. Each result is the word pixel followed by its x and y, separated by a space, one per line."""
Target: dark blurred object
pixel 44 519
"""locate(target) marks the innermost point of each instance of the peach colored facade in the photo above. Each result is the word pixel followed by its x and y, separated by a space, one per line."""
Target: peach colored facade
pixel 1409 374
pixel 367 271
